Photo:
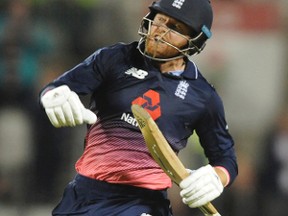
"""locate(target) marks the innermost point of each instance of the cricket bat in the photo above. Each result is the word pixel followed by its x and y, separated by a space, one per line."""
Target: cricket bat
pixel 162 152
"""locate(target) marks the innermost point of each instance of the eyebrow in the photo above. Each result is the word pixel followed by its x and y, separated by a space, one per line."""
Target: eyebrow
pixel 181 24
pixel 170 18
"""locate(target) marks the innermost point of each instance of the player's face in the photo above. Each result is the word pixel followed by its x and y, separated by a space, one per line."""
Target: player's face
pixel 164 33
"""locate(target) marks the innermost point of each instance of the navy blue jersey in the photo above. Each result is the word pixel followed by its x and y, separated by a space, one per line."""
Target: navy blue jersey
pixel 119 75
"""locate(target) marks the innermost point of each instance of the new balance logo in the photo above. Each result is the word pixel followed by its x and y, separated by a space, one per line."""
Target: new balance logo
pixel 139 74
pixel 178 3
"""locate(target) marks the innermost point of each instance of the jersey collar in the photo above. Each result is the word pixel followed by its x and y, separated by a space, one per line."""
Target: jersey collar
pixel 191 71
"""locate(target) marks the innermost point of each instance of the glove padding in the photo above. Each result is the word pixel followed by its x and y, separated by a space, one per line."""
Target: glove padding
pixel 64 108
pixel 200 187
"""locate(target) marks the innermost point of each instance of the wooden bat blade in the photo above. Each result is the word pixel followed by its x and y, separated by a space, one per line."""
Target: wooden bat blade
pixel 165 157
pixel 162 152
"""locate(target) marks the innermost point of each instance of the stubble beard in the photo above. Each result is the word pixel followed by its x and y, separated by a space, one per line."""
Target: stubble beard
pixel 153 47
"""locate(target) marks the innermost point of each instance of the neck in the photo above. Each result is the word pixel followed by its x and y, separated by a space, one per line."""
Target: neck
pixel 173 65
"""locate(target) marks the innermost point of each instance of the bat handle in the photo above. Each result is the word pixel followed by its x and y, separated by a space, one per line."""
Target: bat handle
pixel 209 210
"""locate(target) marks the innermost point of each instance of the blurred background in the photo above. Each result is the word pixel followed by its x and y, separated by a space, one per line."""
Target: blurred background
pixel 246 60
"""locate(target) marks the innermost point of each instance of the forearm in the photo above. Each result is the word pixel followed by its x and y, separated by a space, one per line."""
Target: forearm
pixel 223 175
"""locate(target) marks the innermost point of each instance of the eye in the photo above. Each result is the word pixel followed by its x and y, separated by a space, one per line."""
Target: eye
pixel 160 20
pixel 175 27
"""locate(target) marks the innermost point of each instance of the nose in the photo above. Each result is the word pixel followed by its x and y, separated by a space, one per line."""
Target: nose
pixel 161 28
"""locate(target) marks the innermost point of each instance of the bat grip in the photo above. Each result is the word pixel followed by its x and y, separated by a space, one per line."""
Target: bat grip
pixel 209 210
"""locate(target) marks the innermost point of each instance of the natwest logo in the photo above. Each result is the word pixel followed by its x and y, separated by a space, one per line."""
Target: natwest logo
pixel 150 101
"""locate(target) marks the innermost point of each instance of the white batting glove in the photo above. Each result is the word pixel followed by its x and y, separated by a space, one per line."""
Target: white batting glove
pixel 200 187
pixel 64 108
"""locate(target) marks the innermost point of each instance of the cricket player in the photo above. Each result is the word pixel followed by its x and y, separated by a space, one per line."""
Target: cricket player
pixel 116 174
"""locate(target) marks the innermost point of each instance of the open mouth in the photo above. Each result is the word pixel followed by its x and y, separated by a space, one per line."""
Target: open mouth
pixel 158 39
